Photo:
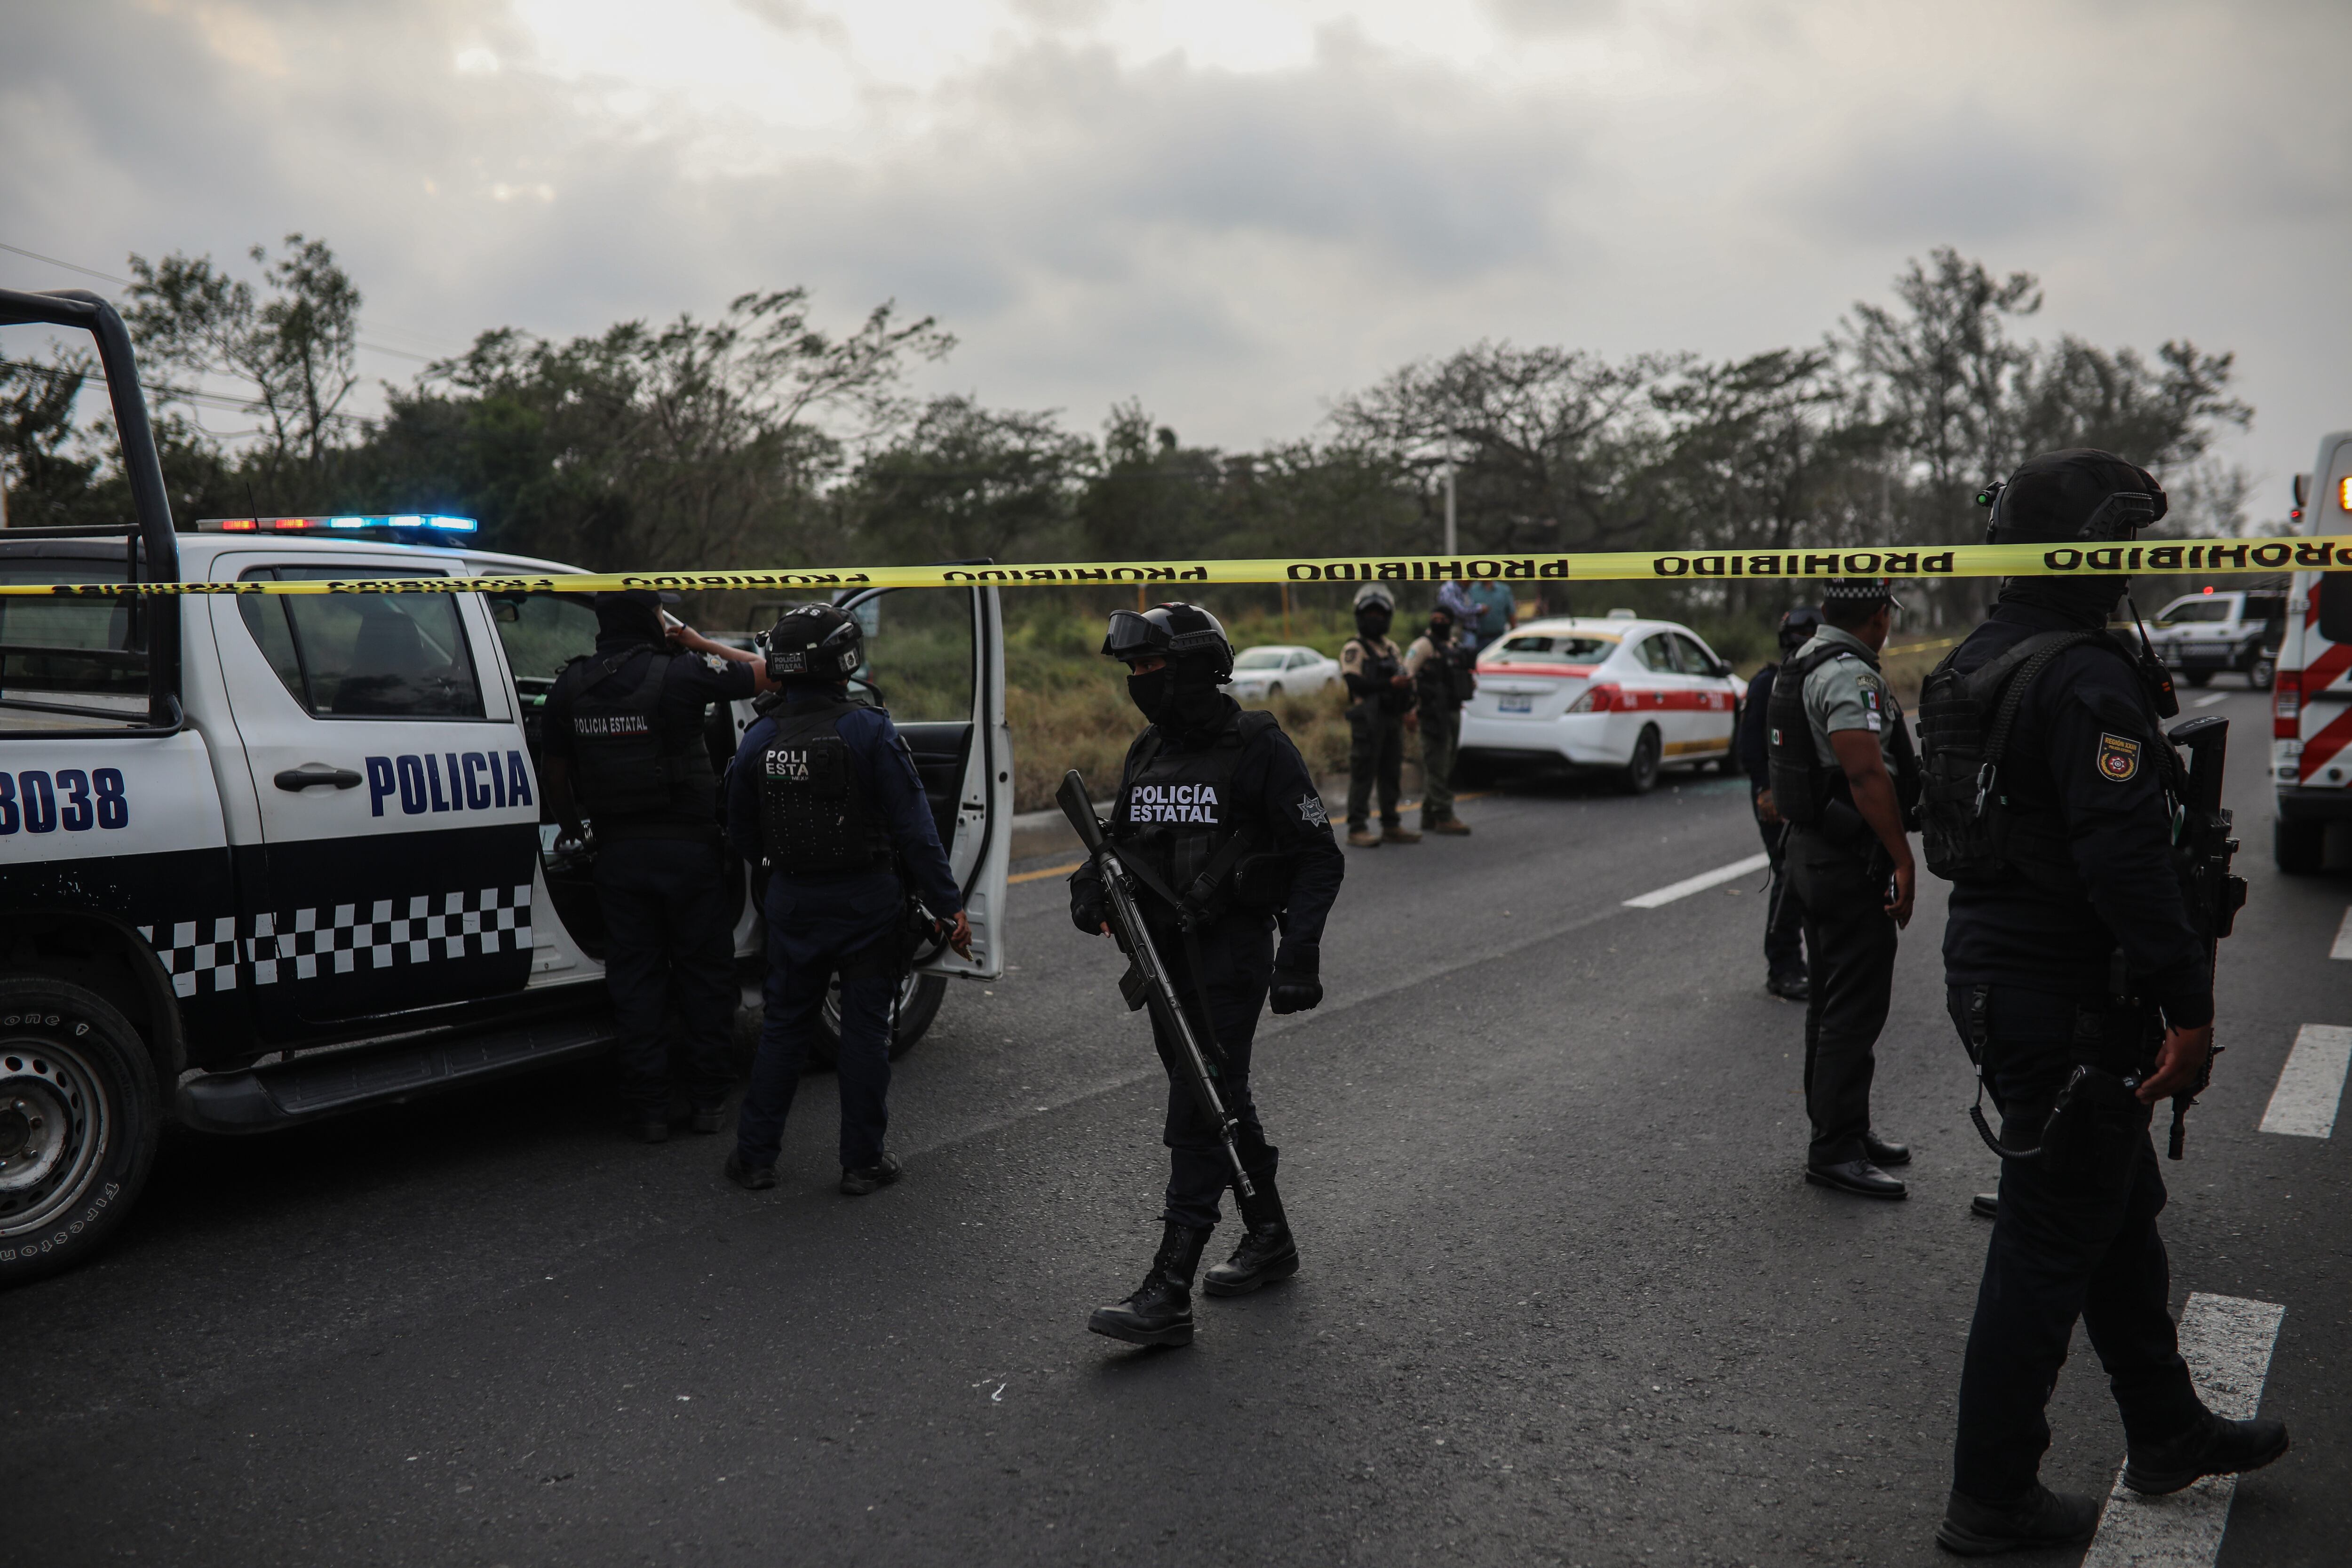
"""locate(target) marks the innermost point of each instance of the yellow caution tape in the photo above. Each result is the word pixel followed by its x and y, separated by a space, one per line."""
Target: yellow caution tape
pixel 1672 566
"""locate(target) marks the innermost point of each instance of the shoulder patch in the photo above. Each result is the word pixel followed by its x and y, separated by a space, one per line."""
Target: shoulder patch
pixel 2118 759
pixel 1311 811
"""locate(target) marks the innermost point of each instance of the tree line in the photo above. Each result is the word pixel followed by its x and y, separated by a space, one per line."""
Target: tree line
pixel 759 437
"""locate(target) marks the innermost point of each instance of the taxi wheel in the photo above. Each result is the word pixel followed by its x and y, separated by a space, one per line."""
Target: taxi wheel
pixel 920 997
pixel 1639 775
pixel 79 1119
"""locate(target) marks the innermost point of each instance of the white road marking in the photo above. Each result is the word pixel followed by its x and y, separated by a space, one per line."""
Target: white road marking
pixel 2227 1342
pixel 1700 883
pixel 2311 1084
pixel 2209 701
pixel 2343 948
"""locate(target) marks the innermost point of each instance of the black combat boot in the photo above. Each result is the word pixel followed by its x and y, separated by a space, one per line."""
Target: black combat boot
pixel 2039 1519
pixel 1161 1311
pixel 2214 1446
pixel 1266 1253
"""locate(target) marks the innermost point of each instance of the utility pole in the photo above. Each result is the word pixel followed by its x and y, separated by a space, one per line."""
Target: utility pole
pixel 1450 545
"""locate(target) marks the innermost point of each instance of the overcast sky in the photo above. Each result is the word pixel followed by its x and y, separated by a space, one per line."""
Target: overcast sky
pixel 1233 211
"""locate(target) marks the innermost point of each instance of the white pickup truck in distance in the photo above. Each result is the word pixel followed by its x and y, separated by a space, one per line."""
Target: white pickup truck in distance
pixel 2199 634
pixel 267 858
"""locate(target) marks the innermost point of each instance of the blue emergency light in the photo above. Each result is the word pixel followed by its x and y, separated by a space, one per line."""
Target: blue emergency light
pixel 402 523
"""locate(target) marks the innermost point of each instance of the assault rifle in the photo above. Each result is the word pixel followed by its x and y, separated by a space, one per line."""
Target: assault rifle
pixel 2202 848
pixel 1145 981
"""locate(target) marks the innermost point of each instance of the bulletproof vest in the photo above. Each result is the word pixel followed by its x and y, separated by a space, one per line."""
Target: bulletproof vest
pixel 1380 669
pixel 1445 680
pixel 1179 816
pixel 814 814
pixel 1973 826
pixel 623 765
pixel 1803 788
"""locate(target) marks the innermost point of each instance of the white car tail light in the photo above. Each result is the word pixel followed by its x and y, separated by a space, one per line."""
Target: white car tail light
pixel 1601 697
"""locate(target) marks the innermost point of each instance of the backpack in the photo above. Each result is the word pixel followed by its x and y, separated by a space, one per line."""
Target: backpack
pixel 1967 829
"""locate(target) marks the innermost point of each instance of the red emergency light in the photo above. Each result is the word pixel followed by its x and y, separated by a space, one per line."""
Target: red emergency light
pixel 400 522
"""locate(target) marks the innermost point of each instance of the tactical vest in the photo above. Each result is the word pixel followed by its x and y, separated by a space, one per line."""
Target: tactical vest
pixel 623 765
pixel 1970 828
pixel 1177 814
pixel 815 818
pixel 1806 791
pixel 1445 680
pixel 1380 669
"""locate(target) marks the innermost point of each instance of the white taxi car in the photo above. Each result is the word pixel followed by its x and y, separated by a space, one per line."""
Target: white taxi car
pixel 1623 695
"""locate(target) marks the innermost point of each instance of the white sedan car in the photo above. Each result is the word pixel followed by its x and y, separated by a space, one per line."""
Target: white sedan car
pixel 1623 695
pixel 1263 673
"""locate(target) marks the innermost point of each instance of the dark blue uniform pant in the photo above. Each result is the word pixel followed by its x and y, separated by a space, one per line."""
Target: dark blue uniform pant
pixel 668 952
pixel 844 926
pixel 2080 1242
pixel 1784 912
pixel 1238 958
pixel 1850 938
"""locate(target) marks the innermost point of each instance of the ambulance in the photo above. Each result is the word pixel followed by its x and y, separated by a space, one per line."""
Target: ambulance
pixel 2311 707
pixel 270 858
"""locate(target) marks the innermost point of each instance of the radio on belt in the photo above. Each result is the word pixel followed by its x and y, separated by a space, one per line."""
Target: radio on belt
pixel 240 828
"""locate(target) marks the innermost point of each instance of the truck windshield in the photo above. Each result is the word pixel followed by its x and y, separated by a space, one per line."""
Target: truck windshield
pixel 70 664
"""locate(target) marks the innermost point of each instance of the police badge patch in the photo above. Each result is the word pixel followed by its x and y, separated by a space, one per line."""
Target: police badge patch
pixel 1311 811
pixel 2118 758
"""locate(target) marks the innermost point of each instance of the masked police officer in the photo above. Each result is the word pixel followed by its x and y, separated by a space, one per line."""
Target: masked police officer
pixel 2077 978
pixel 1442 680
pixel 823 796
pixel 1844 778
pixel 1380 706
pixel 1217 806
pixel 1784 913
pixel 623 743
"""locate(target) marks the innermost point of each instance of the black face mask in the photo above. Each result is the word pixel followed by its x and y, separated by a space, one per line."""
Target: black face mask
pixel 1152 693
pixel 1373 623
pixel 1440 630
pixel 1178 697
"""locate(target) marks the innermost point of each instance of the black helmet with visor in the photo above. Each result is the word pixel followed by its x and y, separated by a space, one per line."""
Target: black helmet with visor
pixel 814 642
pixel 1172 631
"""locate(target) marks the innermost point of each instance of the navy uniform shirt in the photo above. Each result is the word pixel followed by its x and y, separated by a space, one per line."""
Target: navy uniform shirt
pixel 689 688
pixel 2082 751
pixel 1274 799
pixel 893 792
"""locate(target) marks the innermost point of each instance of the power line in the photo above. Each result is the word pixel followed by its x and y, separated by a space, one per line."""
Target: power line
pixel 125 283
pixel 216 400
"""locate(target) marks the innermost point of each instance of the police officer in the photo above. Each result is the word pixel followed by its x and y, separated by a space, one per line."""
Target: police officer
pixel 1383 704
pixel 823 796
pixel 1442 680
pixel 1842 776
pixel 1784 913
pixel 1217 804
pixel 624 740
pixel 2071 948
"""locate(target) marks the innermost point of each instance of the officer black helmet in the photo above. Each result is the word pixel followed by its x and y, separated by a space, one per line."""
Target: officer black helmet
pixel 1176 632
pixel 635 612
pixel 814 642
pixel 1375 610
pixel 2079 496
pixel 1798 626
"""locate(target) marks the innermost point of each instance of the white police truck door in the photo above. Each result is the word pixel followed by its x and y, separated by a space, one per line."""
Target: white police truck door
pixel 398 811
pixel 936 659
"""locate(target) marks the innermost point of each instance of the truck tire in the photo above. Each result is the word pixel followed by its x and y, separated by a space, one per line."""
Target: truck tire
pixel 79 1119
pixel 918 1003
pixel 2262 674
pixel 2197 676
pixel 2298 847
pixel 1639 775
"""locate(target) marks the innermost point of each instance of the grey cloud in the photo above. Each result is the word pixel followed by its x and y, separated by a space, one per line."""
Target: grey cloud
pixel 1967 173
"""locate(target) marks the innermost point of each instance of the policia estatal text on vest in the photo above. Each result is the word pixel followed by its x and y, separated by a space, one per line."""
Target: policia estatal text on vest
pixel 625 748
pixel 2090 883
pixel 823 798
pixel 1843 779
pixel 1219 820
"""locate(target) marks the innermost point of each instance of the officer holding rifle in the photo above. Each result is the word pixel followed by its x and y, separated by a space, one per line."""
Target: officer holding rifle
pixel 2090 872
pixel 1218 844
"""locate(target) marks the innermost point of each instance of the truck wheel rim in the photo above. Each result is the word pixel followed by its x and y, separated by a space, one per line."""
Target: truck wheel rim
pixel 832 999
pixel 53 1127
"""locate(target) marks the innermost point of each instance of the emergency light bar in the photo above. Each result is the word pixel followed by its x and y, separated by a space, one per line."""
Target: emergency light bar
pixel 410 521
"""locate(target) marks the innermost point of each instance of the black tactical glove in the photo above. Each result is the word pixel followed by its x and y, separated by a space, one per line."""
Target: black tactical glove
pixel 1090 909
pixel 1294 987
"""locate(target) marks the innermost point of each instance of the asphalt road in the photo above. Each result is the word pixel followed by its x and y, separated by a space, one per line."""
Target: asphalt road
pixel 1566 1297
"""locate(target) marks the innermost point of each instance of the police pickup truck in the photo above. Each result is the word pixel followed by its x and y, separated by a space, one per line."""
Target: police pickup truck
pixel 265 859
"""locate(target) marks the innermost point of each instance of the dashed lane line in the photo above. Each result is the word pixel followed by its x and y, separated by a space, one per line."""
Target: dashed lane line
pixel 1700 883
pixel 2209 701
pixel 2227 1342
pixel 2311 1084
pixel 2343 948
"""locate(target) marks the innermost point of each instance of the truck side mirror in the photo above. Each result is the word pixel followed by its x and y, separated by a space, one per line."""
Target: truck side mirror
pixel 2302 488
pixel 2335 606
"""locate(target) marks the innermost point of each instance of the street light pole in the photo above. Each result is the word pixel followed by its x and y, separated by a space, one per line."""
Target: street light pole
pixel 1449 507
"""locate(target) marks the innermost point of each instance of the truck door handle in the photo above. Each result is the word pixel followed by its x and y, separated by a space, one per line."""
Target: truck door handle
pixel 302 779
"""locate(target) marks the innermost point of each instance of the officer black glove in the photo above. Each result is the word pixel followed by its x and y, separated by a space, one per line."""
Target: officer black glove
pixel 1296 989
pixel 1089 910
